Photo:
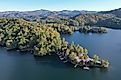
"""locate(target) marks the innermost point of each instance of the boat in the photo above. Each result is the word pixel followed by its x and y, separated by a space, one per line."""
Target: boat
pixel 86 68
pixel 76 65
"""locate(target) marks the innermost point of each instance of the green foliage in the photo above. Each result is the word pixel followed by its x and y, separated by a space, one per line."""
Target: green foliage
pixel 88 29
pixel 72 56
pixel 105 63
pixel 23 35
pixel 95 58
pixel 62 28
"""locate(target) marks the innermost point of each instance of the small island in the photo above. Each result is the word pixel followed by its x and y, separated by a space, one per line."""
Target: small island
pixel 92 29
pixel 40 40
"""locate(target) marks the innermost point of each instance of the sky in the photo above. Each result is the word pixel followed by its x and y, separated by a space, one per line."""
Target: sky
pixel 57 5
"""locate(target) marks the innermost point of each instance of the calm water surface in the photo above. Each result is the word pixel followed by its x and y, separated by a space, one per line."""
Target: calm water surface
pixel 22 66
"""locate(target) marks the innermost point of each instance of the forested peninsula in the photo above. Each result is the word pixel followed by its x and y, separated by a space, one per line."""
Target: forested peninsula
pixel 44 39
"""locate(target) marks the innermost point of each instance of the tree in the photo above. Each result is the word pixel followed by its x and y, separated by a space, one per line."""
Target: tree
pixel 95 59
pixel 105 63
pixel 72 56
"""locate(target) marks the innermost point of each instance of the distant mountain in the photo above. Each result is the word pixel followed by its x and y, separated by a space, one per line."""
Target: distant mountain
pixel 116 12
pixel 42 14
pixel 110 19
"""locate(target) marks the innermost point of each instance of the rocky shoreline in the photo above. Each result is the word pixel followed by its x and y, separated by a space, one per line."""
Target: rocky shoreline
pixel 84 63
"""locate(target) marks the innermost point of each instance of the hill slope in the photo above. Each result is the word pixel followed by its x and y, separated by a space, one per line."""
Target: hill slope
pixel 110 19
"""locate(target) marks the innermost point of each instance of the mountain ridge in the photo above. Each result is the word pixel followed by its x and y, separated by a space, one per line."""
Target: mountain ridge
pixel 110 19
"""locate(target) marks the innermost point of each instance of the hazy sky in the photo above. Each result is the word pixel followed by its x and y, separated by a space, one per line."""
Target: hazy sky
pixel 55 5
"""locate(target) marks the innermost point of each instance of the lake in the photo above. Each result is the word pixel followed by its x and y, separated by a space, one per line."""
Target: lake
pixel 23 66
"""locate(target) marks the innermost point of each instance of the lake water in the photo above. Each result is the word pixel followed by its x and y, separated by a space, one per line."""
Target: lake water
pixel 22 66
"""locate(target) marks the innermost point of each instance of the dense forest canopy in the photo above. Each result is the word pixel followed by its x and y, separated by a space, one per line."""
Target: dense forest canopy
pixel 20 34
